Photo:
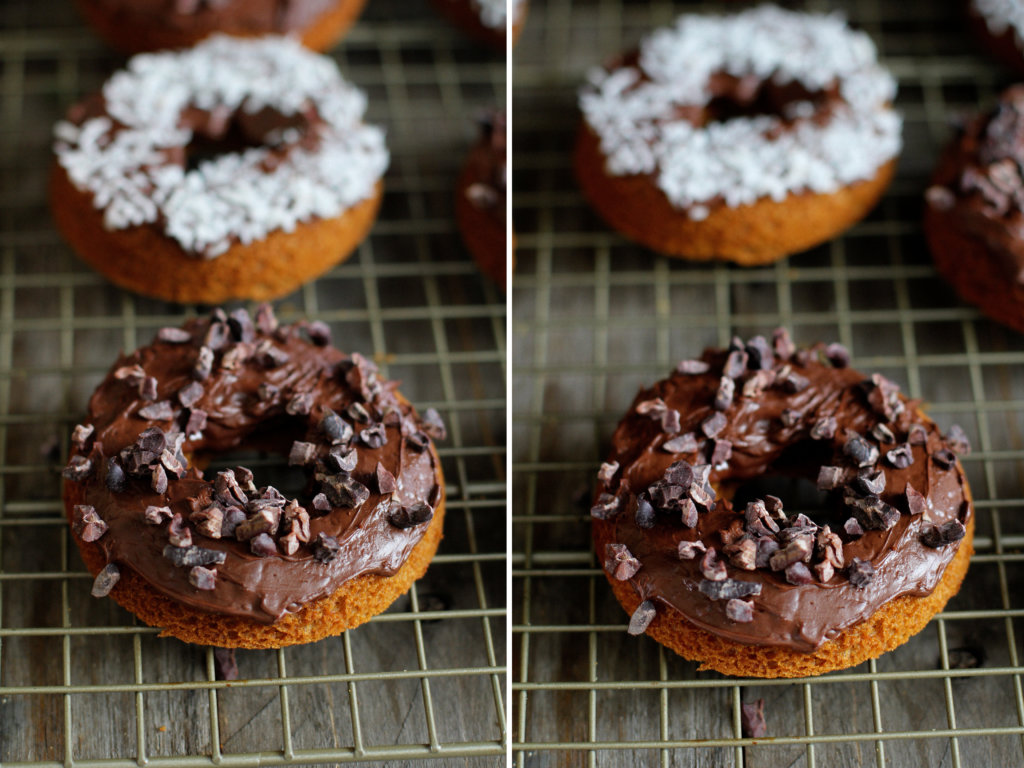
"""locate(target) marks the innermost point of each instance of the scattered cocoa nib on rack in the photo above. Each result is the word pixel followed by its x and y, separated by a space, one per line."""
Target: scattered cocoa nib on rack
pixel 752 722
pixel 225 666
pixel 642 618
pixel 620 563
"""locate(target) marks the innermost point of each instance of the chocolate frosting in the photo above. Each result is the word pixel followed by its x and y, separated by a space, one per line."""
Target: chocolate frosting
pixel 979 184
pixel 260 382
pixel 257 16
pixel 769 434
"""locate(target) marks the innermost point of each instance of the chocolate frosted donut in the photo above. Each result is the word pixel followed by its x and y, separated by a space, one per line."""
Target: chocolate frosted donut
pixel 999 24
pixel 236 169
pixel 974 213
pixel 134 26
pixel 486 20
pixel 480 203
pixel 742 580
pixel 217 558
pixel 743 138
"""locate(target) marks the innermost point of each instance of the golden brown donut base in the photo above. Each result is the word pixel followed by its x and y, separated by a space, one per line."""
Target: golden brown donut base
pixel 129 38
pixel 144 260
pixel 461 14
pixel 483 236
pixel 353 603
pixel 749 235
pixel 889 627
pixel 975 274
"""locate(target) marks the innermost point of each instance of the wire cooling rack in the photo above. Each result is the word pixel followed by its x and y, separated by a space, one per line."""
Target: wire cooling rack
pixel 81 682
pixel 595 317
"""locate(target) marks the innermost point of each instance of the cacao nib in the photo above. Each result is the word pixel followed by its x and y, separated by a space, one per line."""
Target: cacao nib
pixel 735 364
pixel 266 320
pixel 115 478
pixel 644 515
pixel 957 440
pixel 824 428
pixel 830 478
pixel 713 424
pixel 343 490
pixel 386 482
pixel 936 536
pixel 861 572
pixel 178 533
pixel 838 355
pixel 105 580
pixel 752 722
pixel 725 393
pixel 882 433
pixel 740 611
pixel 325 548
pixel 374 436
pixel 606 474
pixel 606 506
pixel 901 457
pixel 852 528
pixel 189 556
pixel 433 425
pixel 711 567
pixel 300 404
pixel 301 454
pixel 870 483
pixel 944 458
pixel 916 502
pixel 729 589
pixel 782 344
pixel 262 545
pixel 798 574
pixel 173 336
pixel 874 514
pixel 402 516
pixel 759 354
pixel 860 451
pixel 620 563
pixel 319 333
pixel 78 469
pixel 204 364
pixel 766 547
pixel 336 428
pixel 688 550
pixel 642 618
pixel 917 435
pixel 692 367
pixel 87 523
pixel 202 578
pixel 156 515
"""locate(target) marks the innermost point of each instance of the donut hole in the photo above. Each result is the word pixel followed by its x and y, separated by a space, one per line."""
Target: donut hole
pixel 220 132
pixel 746 97
pixel 790 479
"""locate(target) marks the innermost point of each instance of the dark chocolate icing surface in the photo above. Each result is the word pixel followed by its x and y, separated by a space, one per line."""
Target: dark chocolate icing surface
pixel 795 416
pixel 227 384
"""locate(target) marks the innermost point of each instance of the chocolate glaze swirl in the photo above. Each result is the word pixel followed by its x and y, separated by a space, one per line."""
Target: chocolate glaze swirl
pixel 246 407
pixel 770 435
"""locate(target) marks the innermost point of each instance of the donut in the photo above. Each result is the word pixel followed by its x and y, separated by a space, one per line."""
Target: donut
pixel 235 169
pixel 742 138
pixel 486 20
pixel 480 202
pixel 771 512
pixel 136 26
pixel 215 557
pixel 999 25
pixel 974 212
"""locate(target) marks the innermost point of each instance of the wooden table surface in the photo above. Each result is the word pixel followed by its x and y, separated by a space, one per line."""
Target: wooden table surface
pixel 595 318
pixel 79 678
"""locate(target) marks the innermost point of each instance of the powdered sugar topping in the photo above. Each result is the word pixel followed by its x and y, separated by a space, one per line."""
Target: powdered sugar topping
pixel 635 109
pixel 494 13
pixel 243 196
pixel 1000 15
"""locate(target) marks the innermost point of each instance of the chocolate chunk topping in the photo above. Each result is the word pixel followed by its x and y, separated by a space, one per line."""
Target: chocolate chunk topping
pixel 605 507
pixel 798 574
pixel 824 428
pixel 301 454
pixel 204 364
pixel 782 344
pixel 385 480
pixel 874 514
pixel 642 618
pixel 740 611
pixel 189 556
pixel 944 458
pixel 606 474
pixel 870 483
pixel 202 578
pixel 752 722
pixel 87 524
pixel 189 394
pixel 853 528
pixel 861 572
pixel 325 548
pixel 433 425
pixel 319 333
pixel 916 502
pixel 375 436
pixel 917 435
pixel 620 563
pixel 300 404
pixel 105 580
pixel 711 567
pixel 941 535
pixel 830 478
pixel 721 452
pixel 901 457
pixel 692 367
pixel 403 516
pixel 883 396
pixel 266 320
pixel 713 424
pixel 789 417
pixel 686 443
pixel 838 355
pixel 321 504
pixel 81 434
pixel 173 336
pixel 78 469
pixel 882 433
pixel 957 440
pixel 860 451
pixel 262 545
pixel 735 364
pixel 729 589
pixel 688 550
pixel 161 411
pixel 644 515
pixel 115 477
pixel 759 354
pixel 724 395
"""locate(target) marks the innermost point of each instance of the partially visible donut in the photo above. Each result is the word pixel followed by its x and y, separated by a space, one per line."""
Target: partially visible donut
pixel 135 26
pixel 974 212
pixel 486 20
pixel 236 169
pixel 481 197
pixel 215 559
pixel 743 138
pixel 999 24
pixel 749 583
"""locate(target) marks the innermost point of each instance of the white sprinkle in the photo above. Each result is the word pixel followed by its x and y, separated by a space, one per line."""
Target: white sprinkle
pixel 634 109
pixel 493 13
pixel 204 210
pixel 999 15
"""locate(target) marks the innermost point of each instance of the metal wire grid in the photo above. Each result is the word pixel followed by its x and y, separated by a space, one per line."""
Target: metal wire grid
pixel 82 683
pixel 595 317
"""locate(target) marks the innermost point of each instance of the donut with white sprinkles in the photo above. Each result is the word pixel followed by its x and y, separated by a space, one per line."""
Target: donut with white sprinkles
pixel 744 138
pixel 235 169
